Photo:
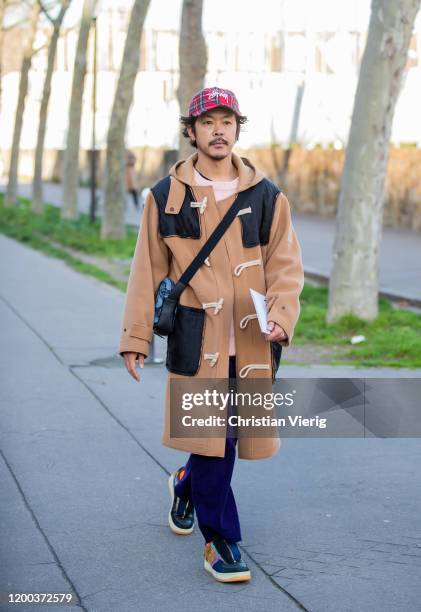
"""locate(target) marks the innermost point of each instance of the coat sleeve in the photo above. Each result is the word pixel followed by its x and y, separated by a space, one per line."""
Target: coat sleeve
pixel 150 264
pixel 284 273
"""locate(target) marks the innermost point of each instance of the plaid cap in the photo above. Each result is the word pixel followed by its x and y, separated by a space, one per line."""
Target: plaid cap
pixel 212 97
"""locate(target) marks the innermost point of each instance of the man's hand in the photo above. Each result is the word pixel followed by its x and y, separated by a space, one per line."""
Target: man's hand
pixel 131 360
pixel 277 332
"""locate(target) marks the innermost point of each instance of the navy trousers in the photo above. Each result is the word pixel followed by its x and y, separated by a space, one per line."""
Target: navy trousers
pixel 207 482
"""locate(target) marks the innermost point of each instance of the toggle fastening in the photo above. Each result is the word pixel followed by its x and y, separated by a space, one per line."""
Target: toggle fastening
pixel 254 262
pixel 252 366
pixel 217 305
pixel 244 211
pixel 201 205
pixel 213 357
pixel 246 319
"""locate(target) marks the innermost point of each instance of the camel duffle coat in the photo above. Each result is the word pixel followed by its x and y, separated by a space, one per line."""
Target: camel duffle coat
pixel 260 250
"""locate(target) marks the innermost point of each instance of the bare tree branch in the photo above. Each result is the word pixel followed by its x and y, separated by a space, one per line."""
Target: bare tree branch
pixel 37 192
pixel 45 12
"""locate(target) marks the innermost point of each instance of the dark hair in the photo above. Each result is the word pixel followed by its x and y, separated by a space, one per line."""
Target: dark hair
pixel 185 121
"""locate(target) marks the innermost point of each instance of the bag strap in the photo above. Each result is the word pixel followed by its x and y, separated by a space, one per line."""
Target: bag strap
pixel 209 245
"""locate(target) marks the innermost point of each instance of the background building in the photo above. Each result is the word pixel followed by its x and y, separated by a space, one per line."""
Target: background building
pixel 264 55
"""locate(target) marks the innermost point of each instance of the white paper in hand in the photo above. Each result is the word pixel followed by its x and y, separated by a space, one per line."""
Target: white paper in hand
pixel 260 304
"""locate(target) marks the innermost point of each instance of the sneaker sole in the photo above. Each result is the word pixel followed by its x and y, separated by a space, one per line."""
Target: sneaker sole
pixel 228 577
pixel 171 523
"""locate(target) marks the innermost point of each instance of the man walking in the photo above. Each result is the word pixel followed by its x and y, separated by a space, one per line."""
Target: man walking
pixel 259 250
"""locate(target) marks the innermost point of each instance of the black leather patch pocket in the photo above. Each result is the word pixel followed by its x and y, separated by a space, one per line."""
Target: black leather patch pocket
pixel 255 226
pixel 276 351
pixel 184 347
pixel 185 223
pixel 250 229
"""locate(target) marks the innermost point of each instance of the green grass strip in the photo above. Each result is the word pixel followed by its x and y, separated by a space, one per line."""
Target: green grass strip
pixel 393 339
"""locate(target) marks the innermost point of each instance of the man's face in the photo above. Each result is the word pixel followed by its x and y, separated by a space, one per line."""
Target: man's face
pixel 215 133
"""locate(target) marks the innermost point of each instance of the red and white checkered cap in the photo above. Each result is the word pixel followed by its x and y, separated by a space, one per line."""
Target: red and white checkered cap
pixel 212 97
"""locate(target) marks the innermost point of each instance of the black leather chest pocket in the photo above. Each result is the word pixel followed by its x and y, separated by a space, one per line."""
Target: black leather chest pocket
pixel 255 225
pixel 250 229
pixel 186 223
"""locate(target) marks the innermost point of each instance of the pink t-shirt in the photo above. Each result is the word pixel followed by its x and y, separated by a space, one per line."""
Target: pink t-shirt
pixel 222 190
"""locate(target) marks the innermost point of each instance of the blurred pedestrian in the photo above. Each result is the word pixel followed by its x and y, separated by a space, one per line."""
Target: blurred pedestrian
pixel 131 177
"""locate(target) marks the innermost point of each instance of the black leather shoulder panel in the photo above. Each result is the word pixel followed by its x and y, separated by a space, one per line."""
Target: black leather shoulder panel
pixel 186 224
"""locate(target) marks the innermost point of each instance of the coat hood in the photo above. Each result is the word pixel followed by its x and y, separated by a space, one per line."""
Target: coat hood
pixel 248 174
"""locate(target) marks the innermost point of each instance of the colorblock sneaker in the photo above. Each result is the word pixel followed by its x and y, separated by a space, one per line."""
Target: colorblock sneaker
pixel 181 514
pixel 223 560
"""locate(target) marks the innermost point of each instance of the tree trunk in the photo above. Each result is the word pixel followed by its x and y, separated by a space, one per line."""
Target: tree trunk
pixel 282 166
pixel 11 192
pixel 69 208
pixel 354 281
pixel 37 197
pixel 2 12
pixel 113 221
pixel 193 62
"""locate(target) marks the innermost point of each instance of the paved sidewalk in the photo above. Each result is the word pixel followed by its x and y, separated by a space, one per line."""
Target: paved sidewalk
pixel 400 249
pixel 328 525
